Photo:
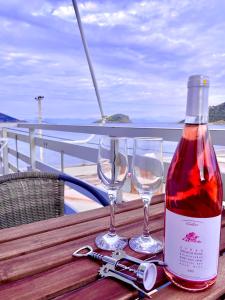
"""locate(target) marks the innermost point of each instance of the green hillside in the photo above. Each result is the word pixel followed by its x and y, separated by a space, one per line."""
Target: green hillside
pixel 217 113
pixel 116 118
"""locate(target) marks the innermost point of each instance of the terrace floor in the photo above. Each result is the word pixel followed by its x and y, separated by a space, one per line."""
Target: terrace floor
pixel 88 173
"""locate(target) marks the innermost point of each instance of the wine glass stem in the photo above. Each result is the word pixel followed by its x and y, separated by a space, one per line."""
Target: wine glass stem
pixel 146 232
pixel 112 199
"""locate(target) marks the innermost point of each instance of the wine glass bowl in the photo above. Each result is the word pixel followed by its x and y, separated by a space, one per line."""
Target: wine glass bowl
pixel 112 168
pixel 149 179
pixel 147 175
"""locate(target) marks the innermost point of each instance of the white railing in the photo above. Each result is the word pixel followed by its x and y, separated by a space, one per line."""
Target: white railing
pixel 85 152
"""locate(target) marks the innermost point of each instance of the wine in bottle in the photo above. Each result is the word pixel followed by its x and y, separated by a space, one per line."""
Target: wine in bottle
pixel 193 199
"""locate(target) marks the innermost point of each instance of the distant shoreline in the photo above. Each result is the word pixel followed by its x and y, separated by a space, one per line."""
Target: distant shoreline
pixel 8 124
pixel 220 122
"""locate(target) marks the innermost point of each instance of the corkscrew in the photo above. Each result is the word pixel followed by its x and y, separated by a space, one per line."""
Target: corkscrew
pixel 145 274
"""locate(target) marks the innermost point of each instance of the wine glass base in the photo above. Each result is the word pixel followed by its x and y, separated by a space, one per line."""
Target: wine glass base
pixel 144 244
pixel 107 241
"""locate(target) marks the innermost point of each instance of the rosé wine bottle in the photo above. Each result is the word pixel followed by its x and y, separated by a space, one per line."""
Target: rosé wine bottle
pixel 193 199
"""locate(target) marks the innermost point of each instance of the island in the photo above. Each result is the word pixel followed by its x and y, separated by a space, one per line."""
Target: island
pixel 217 114
pixel 6 118
pixel 116 118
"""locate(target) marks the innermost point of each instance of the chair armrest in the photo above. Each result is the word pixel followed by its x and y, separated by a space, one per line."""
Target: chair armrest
pixel 100 197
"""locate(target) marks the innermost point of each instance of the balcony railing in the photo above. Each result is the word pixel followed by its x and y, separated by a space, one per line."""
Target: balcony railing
pixel 29 134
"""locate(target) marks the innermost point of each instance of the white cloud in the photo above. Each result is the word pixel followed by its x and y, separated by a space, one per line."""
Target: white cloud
pixel 44 10
pixel 108 18
pixel 142 51
pixel 64 12
pixel 67 11
pixel 88 6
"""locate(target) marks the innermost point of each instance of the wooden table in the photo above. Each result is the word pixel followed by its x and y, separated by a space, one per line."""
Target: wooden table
pixel 36 259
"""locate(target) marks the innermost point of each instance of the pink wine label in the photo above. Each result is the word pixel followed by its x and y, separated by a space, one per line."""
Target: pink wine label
pixel 192 246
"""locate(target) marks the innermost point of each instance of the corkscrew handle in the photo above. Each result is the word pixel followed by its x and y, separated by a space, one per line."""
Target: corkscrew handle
pixel 83 251
pixel 88 251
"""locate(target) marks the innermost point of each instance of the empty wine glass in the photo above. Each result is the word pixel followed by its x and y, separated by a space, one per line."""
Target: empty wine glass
pixel 112 170
pixel 147 174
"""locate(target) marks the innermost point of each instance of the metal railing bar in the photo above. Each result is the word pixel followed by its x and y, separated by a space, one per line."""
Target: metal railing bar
pixel 168 134
pixel 21 156
pixel 12 167
pixel 50 136
pixel 82 152
pixel 20 137
pixel 16 129
pixel 74 128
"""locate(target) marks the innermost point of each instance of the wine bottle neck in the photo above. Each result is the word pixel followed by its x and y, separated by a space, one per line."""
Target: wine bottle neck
pixel 193 132
pixel 197 100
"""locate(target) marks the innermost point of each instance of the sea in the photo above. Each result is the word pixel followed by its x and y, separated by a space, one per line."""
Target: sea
pixel 53 158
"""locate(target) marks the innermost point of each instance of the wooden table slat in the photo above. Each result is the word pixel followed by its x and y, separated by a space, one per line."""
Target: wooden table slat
pixel 51 283
pixel 214 292
pixel 122 293
pixel 34 262
pixel 68 220
pixel 36 259
pixel 52 224
pixel 110 290
pixel 43 240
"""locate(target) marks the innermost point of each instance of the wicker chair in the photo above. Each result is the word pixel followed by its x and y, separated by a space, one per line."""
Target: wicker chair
pixel 28 197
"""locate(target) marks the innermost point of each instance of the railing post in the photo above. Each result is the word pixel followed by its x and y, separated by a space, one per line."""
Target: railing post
pixel 5 153
pixel 62 161
pixel 1 158
pixel 32 149
pixel 17 154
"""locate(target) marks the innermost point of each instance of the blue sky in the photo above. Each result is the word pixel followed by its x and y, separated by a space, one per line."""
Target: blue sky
pixel 142 51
